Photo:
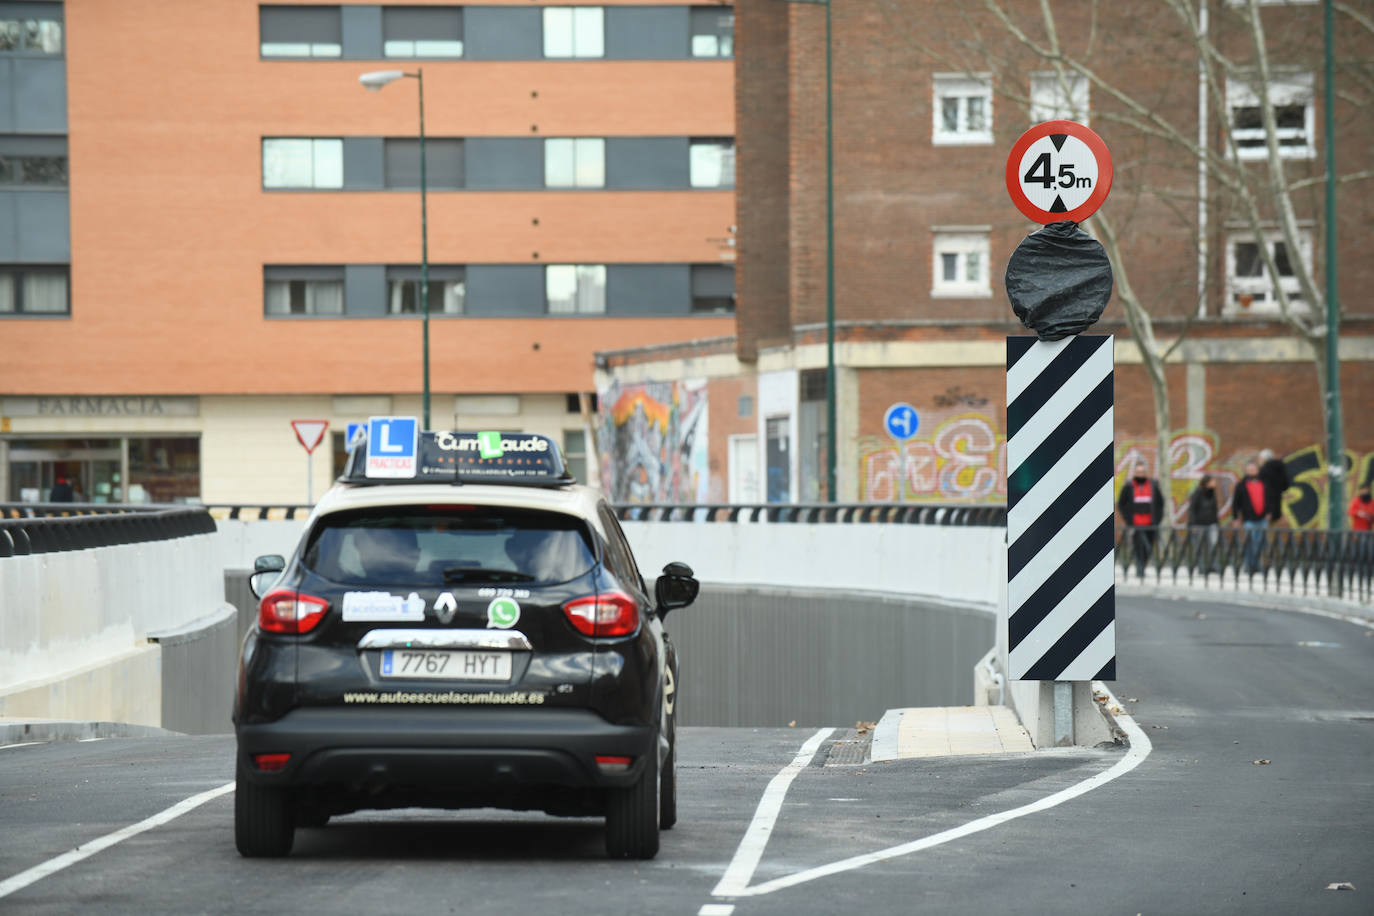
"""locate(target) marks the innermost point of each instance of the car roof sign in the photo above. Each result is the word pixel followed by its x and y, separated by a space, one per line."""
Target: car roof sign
pixel 487 457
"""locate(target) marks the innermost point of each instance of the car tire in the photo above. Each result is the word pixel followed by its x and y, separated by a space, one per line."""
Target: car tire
pixel 262 819
pixel 632 814
pixel 667 810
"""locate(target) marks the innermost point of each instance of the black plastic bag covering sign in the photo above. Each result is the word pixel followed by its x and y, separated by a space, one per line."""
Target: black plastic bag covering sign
pixel 1059 280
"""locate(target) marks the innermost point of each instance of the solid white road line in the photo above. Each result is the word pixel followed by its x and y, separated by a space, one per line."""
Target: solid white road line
pixel 1139 750
pixel 86 850
pixel 4 747
pixel 735 881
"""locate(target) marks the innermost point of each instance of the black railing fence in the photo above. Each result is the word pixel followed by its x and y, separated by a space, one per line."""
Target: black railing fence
pixel 1298 561
pixel 25 535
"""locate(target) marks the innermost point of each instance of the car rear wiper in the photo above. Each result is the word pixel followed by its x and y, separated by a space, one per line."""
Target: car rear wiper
pixel 459 573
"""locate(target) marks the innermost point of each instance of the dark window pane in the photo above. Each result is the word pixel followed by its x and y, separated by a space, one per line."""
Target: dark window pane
pixel 44 170
pixel 1247 118
pixel 713 32
pixel 164 470
pixel 443 163
pixel 1248 262
pixel 1281 260
pixel 300 31
pixel 409 31
pixel 1291 116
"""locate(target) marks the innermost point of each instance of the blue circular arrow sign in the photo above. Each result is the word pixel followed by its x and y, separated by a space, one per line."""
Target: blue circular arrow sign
pixel 901 421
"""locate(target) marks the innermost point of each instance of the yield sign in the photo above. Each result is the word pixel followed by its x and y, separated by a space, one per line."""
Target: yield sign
pixel 1059 170
pixel 309 433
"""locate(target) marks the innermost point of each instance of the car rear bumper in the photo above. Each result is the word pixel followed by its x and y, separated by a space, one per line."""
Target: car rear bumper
pixel 444 750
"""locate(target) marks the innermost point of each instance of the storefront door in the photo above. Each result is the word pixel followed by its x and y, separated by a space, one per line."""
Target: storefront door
pixel 90 467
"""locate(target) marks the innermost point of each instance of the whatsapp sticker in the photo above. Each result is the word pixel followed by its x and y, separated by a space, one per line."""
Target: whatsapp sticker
pixel 489 446
pixel 502 613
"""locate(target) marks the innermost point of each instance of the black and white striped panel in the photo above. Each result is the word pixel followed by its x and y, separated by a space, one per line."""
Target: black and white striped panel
pixel 1061 597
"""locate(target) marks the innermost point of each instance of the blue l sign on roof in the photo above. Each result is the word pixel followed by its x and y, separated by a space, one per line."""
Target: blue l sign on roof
pixel 351 437
pixel 901 421
pixel 391 446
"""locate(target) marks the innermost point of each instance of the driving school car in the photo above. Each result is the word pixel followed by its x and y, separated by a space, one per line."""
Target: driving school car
pixel 461 625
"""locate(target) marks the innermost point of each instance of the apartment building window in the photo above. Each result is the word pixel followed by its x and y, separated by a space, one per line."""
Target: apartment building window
pixel 712 163
pixel 443 163
pixel 32 35
pixel 574 31
pixel 1290 95
pixel 303 290
pixel 33 171
pixel 1053 98
pixel 447 290
pixel 961 264
pixel 302 162
pixel 575 289
pixel 575 162
pixel 575 453
pixel 713 31
pixel 713 288
pixel 963 109
pixel 422 31
pixel 300 31
pixel 1250 288
pixel 34 290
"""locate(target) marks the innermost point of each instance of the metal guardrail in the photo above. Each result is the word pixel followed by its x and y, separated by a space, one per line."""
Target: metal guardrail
pixel 1298 561
pixel 39 533
pixel 991 516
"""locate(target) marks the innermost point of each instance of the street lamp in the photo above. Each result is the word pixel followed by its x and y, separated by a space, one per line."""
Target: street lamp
pixel 373 82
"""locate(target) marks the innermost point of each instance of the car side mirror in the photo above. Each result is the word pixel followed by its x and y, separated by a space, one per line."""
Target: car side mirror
pixel 266 569
pixel 676 587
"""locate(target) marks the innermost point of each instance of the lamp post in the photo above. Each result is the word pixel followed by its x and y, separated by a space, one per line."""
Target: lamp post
pixel 373 82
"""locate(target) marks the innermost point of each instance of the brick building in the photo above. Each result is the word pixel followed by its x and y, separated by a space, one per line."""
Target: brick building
pixel 928 99
pixel 201 244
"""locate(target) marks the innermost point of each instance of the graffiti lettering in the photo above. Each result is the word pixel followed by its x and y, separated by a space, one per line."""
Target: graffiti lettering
pixel 963 459
pixel 652 439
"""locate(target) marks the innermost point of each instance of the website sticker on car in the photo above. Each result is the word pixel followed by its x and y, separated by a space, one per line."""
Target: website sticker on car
pixel 503 613
pixel 382 606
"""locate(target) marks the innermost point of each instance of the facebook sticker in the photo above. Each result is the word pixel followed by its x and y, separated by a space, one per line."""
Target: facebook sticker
pixel 901 421
pixel 391 446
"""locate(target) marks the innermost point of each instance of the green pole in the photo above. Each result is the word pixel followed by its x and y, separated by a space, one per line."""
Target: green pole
pixel 424 247
pixel 1335 445
pixel 830 279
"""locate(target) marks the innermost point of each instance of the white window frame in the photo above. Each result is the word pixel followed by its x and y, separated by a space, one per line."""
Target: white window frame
pixel 583 302
pixel 574 32
pixel 586 157
pixel 1047 102
pixel 711 158
pixel 960 242
pixel 1263 285
pixel 320 179
pixel 961 86
pixel 1292 88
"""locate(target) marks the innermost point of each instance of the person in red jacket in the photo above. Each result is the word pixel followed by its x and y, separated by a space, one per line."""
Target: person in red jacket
pixel 1250 509
pixel 1362 511
pixel 1142 509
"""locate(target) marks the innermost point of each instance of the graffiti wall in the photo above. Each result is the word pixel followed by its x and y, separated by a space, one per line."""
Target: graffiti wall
pixel 962 457
pixel 955 457
pixel 652 441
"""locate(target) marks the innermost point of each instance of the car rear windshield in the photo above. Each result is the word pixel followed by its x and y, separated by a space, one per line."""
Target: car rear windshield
pixel 450 545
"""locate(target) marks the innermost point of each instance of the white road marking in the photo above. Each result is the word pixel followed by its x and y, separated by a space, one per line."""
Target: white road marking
pixel 735 881
pixel 716 909
pixel 86 850
pixel 25 744
pixel 1140 749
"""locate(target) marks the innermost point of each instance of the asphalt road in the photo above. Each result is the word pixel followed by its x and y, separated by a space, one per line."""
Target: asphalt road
pixel 1197 827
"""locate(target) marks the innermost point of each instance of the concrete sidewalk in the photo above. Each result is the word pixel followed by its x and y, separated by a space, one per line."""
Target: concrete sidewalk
pixel 947 731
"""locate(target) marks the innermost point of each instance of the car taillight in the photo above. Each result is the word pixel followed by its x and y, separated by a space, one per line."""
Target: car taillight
pixel 289 611
pixel 607 614
pixel 271 763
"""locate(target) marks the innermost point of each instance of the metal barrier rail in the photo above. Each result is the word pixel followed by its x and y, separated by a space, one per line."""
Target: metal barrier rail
pixel 1298 561
pixel 812 513
pixel 51 534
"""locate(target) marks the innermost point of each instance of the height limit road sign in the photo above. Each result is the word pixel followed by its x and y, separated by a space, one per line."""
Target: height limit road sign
pixel 1059 170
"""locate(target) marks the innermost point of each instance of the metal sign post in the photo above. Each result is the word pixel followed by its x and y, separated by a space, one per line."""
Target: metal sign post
pixel 308 434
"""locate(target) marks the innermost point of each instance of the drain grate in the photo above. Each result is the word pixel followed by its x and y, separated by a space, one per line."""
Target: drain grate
pixel 850 748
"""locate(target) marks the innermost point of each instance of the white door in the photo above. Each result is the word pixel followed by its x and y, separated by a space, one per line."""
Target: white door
pixel 744 469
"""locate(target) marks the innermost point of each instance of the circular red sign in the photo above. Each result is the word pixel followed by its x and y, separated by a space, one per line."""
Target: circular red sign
pixel 1059 170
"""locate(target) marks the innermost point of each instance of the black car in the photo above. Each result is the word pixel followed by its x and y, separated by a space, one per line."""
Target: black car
pixel 476 634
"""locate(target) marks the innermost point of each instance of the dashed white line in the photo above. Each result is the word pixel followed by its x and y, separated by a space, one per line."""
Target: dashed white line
pixel 716 909
pixel 735 883
pixel 86 850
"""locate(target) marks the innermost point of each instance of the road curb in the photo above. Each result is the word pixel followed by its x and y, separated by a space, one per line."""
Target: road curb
pixel 35 731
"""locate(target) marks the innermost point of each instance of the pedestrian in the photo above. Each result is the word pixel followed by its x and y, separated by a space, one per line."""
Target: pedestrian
pixel 61 492
pixel 1203 522
pixel 1274 473
pixel 1142 508
pixel 1249 509
pixel 1362 525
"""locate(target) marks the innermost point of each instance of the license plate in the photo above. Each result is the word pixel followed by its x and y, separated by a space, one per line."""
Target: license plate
pixel 446 664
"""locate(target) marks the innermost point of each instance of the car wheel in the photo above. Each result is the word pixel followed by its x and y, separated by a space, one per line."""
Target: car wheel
pixel 262 819
pixel 632 814
pixel 667 811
